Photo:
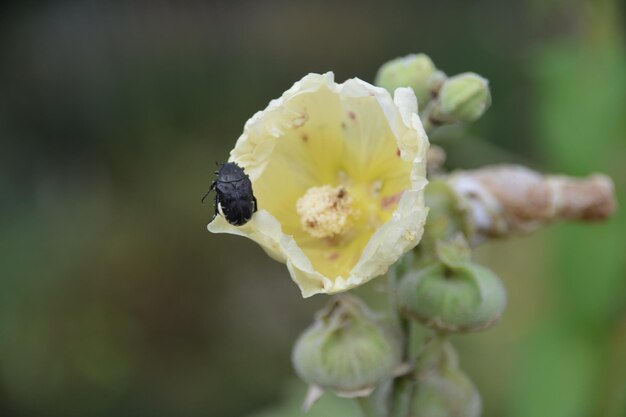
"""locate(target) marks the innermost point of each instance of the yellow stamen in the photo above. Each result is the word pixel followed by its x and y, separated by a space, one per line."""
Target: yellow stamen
pixel 325 211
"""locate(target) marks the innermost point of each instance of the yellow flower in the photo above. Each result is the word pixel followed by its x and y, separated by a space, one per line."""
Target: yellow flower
pixel 338 171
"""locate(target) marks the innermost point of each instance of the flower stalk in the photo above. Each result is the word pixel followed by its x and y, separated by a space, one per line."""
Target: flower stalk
pixel 402 386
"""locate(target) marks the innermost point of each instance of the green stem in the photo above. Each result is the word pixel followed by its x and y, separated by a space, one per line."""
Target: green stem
pixel 392 288
pixel 404 387
pixel 394 275
pixel 366 407
pixel 430 353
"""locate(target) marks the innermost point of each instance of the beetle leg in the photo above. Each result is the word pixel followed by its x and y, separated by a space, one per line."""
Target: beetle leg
pixel 215 206
pixel 256 206
pixel 211 188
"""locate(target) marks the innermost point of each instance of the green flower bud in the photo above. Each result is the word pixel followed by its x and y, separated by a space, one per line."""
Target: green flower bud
pixel 415 71
pixel 463 98
pixel 460 298
pixel 445 391
pixel 347 349
pixel 446 219
pixel 446 215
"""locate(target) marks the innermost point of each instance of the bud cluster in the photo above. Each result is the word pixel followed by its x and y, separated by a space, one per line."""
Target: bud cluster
pixel 416 71
pixel 350 350
pixel 462 98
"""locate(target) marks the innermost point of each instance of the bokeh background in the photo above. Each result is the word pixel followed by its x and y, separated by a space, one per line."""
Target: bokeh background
pixel 116 301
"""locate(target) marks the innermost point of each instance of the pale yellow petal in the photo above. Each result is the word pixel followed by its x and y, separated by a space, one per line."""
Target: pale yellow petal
pixel 352 135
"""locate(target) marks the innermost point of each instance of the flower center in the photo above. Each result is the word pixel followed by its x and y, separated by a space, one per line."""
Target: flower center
pixel 325 211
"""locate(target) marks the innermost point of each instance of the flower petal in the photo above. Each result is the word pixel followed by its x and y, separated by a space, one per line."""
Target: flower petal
pixel 302 139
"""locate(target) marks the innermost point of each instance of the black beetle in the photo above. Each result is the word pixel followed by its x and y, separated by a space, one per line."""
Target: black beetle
pixel 233 194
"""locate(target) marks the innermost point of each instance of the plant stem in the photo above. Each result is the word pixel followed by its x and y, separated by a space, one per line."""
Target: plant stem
pixel 403 386
pixel 393 279
pixel 367 410
pixel 392 285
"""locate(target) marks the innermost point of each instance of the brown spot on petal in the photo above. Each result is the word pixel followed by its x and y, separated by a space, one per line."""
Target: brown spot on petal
pixel 333 256
pixel 352 115
pixel 305 137
pixel 398 152
pixel 390 201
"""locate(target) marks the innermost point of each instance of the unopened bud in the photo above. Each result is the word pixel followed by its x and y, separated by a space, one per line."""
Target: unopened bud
pixel 348 349
pixel 463 98
pixel 445 391
pixel 455 298
pixel 415 71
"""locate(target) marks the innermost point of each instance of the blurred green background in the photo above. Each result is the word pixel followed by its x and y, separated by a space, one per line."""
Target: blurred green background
pixel 116 301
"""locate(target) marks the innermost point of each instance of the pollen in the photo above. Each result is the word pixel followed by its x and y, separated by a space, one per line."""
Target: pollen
pixel 326 211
